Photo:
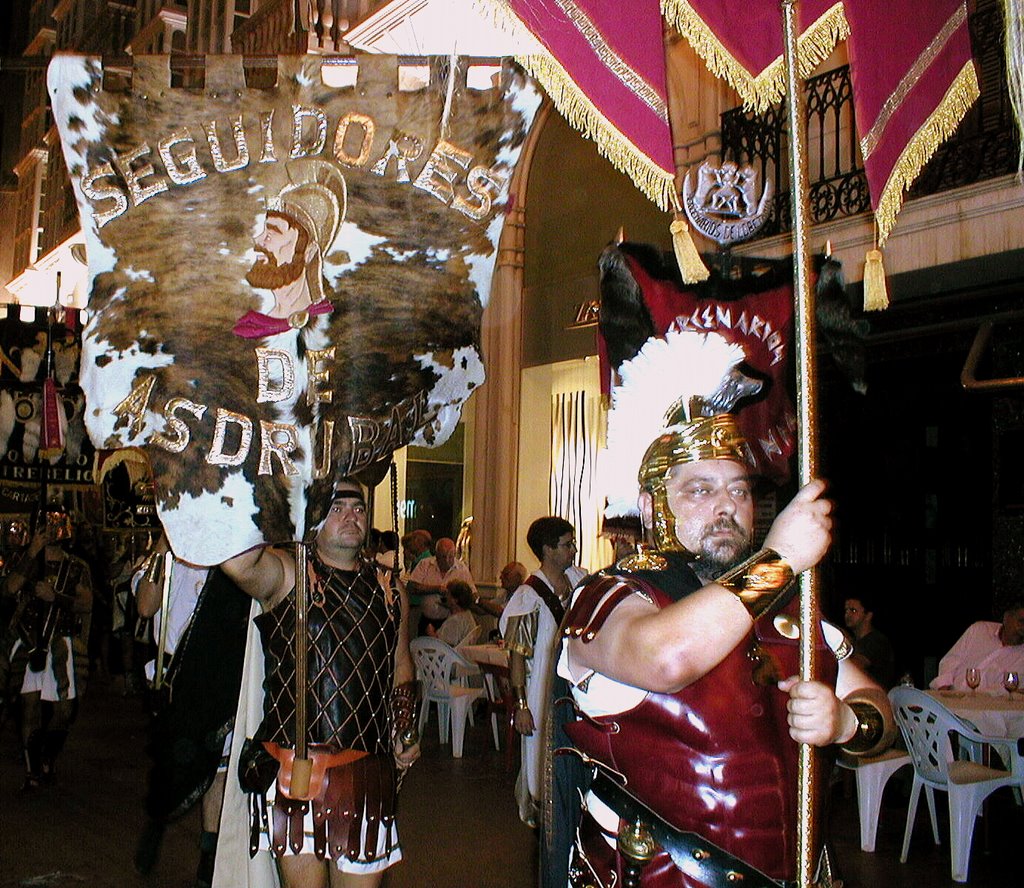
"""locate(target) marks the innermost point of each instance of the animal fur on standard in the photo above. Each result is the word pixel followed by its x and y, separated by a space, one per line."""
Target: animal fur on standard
pixel 406 277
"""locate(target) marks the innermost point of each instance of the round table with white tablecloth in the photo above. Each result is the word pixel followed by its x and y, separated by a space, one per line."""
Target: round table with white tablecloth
pixel 494 654
pixel 996 715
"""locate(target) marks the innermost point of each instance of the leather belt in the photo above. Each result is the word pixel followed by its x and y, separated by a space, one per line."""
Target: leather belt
pixel 694 855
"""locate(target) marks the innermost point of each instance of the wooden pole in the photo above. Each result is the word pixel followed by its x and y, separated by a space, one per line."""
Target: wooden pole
pixel 807 450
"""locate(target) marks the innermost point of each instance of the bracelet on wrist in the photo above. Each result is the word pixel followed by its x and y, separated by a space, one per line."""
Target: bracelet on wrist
pixel 760 582
pixel 154 565
pixel 872 735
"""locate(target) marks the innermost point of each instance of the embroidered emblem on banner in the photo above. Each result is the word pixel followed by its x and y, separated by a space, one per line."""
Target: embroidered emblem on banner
pixel 722 203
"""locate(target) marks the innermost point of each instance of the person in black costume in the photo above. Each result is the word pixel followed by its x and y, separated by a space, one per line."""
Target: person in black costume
pixel 195 705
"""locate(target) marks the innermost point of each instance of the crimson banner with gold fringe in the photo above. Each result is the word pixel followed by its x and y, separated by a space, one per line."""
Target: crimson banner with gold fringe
pixel 754 311
pixel 286 281
pixel 910 62
pixel 606 75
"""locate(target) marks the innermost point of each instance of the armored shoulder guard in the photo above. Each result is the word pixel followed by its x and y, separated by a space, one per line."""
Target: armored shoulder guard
pixel 595 602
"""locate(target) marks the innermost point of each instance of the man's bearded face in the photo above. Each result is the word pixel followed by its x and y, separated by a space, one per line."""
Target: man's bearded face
pixel 714 510
pixel 282 259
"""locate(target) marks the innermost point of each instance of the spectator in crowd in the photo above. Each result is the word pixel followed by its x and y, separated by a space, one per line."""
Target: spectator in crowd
pixel 387 549
pixel 416 546
pixel 512 576
pixel 459 599
pixel 991 648
pixel 872 650
pixel 429 579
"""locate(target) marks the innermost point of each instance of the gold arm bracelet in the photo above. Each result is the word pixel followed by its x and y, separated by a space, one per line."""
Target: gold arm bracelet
pixel 520 694
pixel 759 582
pixel 154 568
pixel 874 732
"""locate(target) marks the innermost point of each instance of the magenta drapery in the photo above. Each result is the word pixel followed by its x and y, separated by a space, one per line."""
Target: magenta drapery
pixel 607 76
pixel 910 64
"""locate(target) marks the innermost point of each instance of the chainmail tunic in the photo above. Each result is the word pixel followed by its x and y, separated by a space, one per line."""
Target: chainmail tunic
pixel 353 635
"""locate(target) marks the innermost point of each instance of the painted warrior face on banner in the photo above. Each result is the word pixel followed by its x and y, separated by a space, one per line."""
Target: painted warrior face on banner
pixel 286 283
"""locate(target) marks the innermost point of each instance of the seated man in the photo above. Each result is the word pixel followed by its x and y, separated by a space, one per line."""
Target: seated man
pixel 872 650
pixel 459 599
pixel 991 648
pixel 430 577
pixel 512 576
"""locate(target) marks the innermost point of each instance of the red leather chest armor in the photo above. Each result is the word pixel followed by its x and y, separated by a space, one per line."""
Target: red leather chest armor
pixel 715 758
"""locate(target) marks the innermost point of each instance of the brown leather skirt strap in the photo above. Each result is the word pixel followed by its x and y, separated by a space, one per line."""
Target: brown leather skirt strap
pixel 257 820
pixel 279 839
pixel 296 823
pixel 373 805
pixel 355 828
pixel 339 800
pixel 388 795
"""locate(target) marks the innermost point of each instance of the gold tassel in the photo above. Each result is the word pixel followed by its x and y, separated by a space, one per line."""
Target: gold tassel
pixel 876 296
pixel 687 257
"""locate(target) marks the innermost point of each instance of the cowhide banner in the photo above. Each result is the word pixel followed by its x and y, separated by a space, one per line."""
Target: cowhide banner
pixel 285 284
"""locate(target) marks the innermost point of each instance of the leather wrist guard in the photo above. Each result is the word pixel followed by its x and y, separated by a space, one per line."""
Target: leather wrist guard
pixel 403 713
pixel 760 583
pixel 873 734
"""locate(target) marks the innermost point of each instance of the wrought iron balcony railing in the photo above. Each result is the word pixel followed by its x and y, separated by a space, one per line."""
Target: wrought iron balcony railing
pixel 985 146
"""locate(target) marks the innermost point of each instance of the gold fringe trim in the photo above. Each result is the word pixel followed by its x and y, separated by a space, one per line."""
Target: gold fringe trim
pixel 939 126
pixel 767 87
pixel 572 103
pixel 656 184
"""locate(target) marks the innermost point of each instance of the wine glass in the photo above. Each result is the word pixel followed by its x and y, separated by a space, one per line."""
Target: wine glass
pixel 1010 682
pixel 973 678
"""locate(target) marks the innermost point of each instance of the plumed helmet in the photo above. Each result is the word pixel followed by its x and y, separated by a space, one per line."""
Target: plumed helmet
pixel 672 407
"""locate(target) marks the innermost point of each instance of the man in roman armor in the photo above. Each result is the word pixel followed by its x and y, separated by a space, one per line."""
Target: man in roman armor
pixel 683 658
pixel 323 803
pixel 49 658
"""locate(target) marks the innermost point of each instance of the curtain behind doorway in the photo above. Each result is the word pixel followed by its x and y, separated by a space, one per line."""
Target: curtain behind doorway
pixel 576 429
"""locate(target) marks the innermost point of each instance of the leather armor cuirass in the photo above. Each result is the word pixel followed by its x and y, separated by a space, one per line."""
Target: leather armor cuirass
pixel 715 758
pixel 353 634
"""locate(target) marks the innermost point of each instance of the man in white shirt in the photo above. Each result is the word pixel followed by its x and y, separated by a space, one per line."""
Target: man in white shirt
pixel 529 625
pixel 429 579
pixel 991 648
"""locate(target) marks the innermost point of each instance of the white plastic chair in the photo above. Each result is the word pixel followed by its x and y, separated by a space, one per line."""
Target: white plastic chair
pixel 926 726
pixel 873 774
pixel 436 663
